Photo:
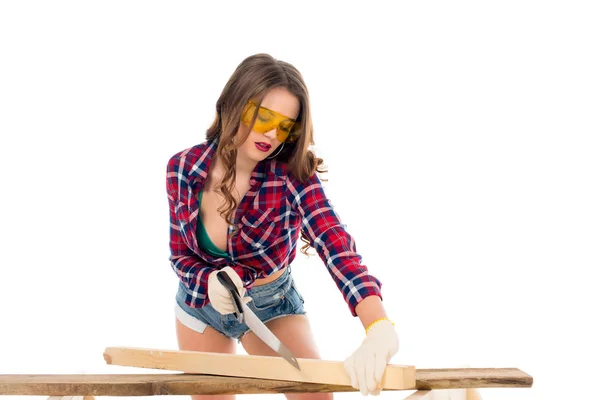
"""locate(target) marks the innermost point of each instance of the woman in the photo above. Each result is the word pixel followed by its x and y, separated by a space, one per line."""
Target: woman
pixel 238 203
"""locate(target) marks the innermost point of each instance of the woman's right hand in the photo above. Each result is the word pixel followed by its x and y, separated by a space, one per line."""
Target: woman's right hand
pixel 219 296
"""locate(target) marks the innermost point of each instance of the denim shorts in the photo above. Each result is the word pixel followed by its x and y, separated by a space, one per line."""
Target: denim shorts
pixel 269 301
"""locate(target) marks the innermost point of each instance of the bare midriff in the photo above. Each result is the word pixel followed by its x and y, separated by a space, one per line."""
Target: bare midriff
pixel 269 278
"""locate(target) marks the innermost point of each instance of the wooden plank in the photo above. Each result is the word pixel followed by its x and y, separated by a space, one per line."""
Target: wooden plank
pixel 151 385
pixel 247 366
pixel 472 378
pixel 190 384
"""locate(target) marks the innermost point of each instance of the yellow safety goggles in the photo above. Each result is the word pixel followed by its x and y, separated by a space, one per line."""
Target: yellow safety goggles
pixel 288 130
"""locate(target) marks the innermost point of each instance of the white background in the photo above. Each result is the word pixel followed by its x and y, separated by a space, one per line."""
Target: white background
pixel 462 144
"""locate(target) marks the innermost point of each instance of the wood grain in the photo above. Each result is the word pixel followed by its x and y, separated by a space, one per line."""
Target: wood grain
pixel 189 384
pixel 151 385
pixel 247 366
pixel 472 378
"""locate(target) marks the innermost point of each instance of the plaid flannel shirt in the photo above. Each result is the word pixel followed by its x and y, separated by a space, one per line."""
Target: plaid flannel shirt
pixel 269 217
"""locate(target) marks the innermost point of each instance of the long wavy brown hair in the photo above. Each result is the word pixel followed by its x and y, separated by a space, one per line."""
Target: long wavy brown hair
pixel 253 78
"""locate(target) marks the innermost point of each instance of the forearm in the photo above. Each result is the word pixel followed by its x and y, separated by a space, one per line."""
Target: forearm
pixel 370 309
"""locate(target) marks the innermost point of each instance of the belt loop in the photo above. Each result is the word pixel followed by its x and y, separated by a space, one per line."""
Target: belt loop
pixel 288 278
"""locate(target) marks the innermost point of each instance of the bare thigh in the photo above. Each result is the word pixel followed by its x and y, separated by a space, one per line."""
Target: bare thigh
pixel 210 340
pixel 295 332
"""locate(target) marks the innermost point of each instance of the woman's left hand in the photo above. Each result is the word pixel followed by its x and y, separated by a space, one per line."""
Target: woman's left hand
pixel 367 364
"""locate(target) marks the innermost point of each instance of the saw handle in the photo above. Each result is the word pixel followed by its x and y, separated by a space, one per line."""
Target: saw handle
pixel 233 291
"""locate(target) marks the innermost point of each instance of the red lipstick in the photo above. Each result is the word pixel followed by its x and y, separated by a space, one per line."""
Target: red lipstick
pixel 262 146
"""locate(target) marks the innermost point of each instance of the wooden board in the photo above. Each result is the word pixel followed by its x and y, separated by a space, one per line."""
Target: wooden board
pixel 190 384
pixel 472 378
pixel 264 367
pixel 151 385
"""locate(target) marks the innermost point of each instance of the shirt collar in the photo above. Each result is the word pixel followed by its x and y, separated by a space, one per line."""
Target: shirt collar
pixel 279 169
pixel 199 170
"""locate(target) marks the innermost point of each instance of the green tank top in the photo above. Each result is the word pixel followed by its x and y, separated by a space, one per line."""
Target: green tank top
pixel 203 239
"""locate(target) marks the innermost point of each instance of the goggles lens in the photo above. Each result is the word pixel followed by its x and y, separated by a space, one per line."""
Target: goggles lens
pixel 288 130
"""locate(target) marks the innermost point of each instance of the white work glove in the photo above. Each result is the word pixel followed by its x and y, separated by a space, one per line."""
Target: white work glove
pixel 219 296
pixel 367 364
